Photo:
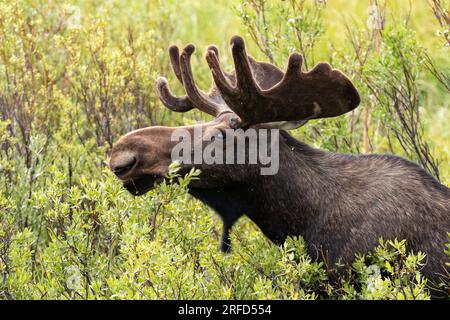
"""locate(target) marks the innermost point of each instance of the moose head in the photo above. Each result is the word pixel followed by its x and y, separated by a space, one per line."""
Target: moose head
pixel 256 95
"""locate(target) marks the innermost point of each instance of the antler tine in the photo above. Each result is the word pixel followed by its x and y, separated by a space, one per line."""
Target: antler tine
pixel 294 67
pixel 174 54
pixel 214 49
pixel 246 86
pixel 245 83
pixel 177 104
pixel 244 76
pixel 221 81
pixel 198 98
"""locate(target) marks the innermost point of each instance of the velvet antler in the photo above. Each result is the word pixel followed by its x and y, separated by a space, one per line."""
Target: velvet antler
pixel 260 93
pixel 320 93
pixel 211 103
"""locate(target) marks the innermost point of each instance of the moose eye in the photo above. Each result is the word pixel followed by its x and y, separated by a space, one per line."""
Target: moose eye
pixel 220 135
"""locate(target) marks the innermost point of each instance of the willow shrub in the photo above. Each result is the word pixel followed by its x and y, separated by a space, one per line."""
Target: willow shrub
pixel 97 242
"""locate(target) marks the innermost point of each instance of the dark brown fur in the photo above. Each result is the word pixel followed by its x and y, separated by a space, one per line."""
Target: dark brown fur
pixel 341 204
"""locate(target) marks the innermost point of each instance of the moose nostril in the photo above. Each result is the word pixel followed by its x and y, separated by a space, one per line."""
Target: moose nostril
pixel 122 168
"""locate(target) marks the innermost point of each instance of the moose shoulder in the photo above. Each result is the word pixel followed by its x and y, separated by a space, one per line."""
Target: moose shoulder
pixel 341 204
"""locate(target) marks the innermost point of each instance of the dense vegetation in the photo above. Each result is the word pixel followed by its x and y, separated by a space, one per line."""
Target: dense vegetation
pixel 75 75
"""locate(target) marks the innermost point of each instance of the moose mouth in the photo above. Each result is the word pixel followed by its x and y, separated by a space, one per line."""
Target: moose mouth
pixel 140 185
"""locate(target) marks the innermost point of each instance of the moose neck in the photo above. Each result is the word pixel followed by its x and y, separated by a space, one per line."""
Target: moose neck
pixel 283 204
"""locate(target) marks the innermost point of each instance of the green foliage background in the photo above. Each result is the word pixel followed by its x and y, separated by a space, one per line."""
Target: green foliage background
pixel 75 75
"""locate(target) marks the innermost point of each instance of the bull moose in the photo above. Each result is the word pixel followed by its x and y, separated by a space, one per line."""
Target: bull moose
pixel 341 204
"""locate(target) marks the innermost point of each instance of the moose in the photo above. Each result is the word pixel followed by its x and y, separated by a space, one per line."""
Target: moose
pixel 341 204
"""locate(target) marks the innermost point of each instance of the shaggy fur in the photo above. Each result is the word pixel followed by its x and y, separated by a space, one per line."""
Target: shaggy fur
pixel 341 204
